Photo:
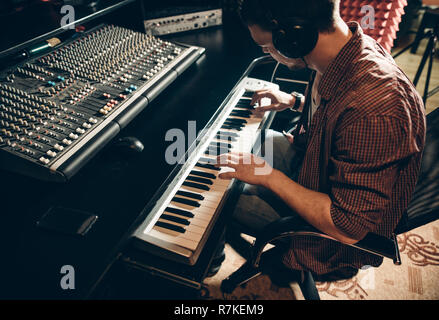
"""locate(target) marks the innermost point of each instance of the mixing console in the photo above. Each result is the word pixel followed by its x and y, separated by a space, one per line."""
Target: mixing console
pixel 59 109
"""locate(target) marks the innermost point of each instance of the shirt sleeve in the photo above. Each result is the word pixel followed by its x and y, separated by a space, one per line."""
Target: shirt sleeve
pixel 366 159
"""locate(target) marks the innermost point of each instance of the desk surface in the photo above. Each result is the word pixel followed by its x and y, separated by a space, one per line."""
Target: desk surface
pixel 112 186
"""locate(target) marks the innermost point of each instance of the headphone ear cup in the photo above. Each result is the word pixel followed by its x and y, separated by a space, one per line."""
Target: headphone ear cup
pixel 294 39
pixel 287 45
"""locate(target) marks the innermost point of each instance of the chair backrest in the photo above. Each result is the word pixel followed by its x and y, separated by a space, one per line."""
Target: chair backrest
pixel 424 206
pixel 386 18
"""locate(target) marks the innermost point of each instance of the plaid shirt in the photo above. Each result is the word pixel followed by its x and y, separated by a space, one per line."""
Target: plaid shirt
pixel 364 148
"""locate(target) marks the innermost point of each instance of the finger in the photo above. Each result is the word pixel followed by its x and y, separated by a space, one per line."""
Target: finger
pixel 232 155
pixel 237 153
pixel 228 164
pixel 267 108
pixel 257 95
pixel 227 175
pixel 225 160
pixel 236 158
pixel 289 136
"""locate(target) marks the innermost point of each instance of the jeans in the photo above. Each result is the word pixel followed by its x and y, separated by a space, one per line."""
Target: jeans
pixel 258 206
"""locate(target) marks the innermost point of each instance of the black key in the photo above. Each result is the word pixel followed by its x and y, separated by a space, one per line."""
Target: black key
pixel 236 120
pixel 180 212
pixel 170 226
pixel 228 138
pixel 208 160
pixel 186 201
pixel 220 144
pixel 174 219
pixel 196 185
pixel 212 150
pixel 243 114
pixel 230 127
pixel 203 174
pixel 248 94
pixel 207 166
pixel 226 133
pixel 190 195
pixel 215 152
pixel 245 102
pixel 232 122
pixel 200 180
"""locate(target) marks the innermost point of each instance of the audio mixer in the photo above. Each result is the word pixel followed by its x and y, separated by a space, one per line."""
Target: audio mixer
pixel 59 109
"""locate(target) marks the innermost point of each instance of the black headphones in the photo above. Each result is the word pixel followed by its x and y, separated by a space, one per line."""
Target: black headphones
pixel 293 37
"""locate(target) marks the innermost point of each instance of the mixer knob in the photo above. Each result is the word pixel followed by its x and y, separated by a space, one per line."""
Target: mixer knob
pixel 51 153
pixel 58 147
pixel 44 160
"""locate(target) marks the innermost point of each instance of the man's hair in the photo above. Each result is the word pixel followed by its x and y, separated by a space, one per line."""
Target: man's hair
pixel 321 13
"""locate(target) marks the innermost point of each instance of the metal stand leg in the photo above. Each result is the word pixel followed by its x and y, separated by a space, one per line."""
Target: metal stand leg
pixel 423 61
pixel 308 287
pixel 420 34
pixel 430 66
pixel 239 277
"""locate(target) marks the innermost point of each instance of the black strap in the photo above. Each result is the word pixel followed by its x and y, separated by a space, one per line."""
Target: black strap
pixel 324 157
pixel 308 102
pixel 301 139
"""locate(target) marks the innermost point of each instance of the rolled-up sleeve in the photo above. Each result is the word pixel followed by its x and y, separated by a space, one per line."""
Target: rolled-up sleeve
pixel 364 165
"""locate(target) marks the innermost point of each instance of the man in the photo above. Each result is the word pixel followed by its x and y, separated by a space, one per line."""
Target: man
pixel 363 146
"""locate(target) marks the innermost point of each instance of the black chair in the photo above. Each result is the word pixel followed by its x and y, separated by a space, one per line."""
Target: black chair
pixel 423 208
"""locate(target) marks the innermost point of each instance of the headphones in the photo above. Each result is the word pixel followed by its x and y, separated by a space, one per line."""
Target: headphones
pixel 293 37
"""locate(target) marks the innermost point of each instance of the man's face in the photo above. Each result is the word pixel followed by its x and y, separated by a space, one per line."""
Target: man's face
pixel 263 38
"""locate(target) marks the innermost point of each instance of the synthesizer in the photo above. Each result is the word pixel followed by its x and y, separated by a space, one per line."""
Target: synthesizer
pixel 59 109
pixel 179 224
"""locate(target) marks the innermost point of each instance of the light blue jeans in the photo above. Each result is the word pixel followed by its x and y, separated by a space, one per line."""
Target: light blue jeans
pixel 258 206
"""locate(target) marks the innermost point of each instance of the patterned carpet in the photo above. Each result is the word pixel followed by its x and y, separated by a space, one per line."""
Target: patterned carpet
pixel 416 279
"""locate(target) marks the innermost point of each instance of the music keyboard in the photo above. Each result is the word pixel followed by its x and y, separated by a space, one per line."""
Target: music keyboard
pixel 181 220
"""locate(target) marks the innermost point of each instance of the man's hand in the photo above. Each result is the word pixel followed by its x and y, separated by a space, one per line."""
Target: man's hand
pixel 248 168
pixel 279 100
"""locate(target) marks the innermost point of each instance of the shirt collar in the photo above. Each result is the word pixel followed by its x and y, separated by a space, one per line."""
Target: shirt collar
pixel 338 67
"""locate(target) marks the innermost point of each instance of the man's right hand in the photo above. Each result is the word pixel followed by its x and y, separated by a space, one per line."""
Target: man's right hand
pixel 279 100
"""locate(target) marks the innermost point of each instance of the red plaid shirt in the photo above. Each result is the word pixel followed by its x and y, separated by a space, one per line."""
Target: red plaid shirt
pixel 364 150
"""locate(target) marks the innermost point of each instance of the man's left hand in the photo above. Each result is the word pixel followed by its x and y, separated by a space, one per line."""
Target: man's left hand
pixel 248 168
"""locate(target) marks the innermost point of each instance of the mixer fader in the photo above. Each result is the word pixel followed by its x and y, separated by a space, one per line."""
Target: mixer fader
pixel 58 110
